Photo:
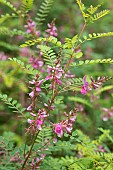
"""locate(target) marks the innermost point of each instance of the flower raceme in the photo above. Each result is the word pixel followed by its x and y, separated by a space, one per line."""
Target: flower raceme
pixel 35 90
pixel 92 85
pixel 31 28
pixel 37 121
pixel 54 74
pixel 52 30
pixel 65 125
pixel 85 86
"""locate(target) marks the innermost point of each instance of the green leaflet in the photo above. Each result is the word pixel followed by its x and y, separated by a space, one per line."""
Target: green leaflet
pixel 103 89
pixel 85 62
pixel 51 39
pixel 80 100
pixel 90 15
pixel 43 11
pixel 48 54
pixel 7 3
pixel 12 104
pixel 26 5
pixel 28 68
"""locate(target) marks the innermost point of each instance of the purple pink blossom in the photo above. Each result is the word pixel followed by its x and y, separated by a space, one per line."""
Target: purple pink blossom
pixel 107 113
pixel 85 86
pixel 65 125
pixel 31 28
pixel 36 63
pixel 52 30
pixel 54 74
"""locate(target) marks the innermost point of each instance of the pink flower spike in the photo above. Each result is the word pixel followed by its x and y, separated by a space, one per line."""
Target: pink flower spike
pixel 59 130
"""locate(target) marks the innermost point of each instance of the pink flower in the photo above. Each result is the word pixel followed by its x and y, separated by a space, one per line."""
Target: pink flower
pixel 85 86
pixel 31 28
pixel 52 29
pixel 54 73
pixel 51 107
pixel 39 123
pixel 38 89
pixel 29 108
pixel 32 114
pixel 36 63
pixel 68 128
pixel 101 149
pixel 59 130
pixel 30 121
pixel 31 94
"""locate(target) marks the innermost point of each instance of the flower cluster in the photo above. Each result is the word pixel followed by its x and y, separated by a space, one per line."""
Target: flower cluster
pixel 35 90
pixel 37 121
pixel 65 125
pixel 36 63
pixel 92 85
pixel 52 29
pixel 55 74
pixel 31 28
pixel 108 113
pixel 85 86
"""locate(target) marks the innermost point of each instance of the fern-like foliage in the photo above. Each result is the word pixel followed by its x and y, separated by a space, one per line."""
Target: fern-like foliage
pixel 6 16
pixel 100 61
pixel 51 39
pixel 44 134
pixel 8 32
pixel 19 32
pixel 12 104
pixel 89 14
pixel 99 15
pixel 26 5
pixel 105 136
pixel 72 84
pixel 48 54
pixel 43 11
pixel 71 43
pixel 28 68
pixel 7 3
pixel 4 31
pixel 82 7
pixel 95 35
